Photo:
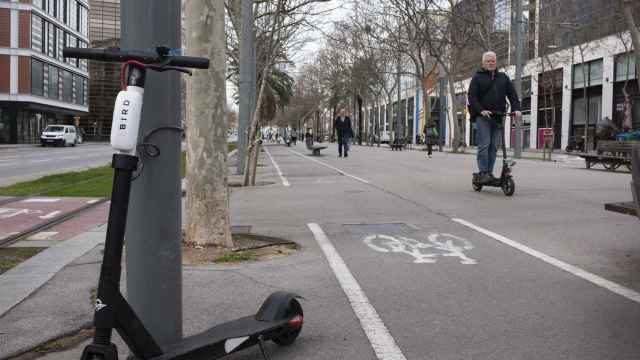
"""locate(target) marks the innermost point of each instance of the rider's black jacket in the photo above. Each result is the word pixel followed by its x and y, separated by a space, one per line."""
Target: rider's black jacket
pixel 488 90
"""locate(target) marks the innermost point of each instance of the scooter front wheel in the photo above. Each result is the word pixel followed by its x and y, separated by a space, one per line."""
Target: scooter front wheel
pixel 287 338
pixel 476 187
pixel 508 186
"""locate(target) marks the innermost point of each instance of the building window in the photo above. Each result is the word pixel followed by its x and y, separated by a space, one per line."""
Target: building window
pixel 51 40
pixel 37 77
pixel 84 21
pixel 36 33
pixel 71 41
pixel 60 43
pixel 83 64
pixel 51 7
pixel 594 108
pixel 85 84
pixel 78 88
pixel 625 67
pixel 67 87
pixel 54 81
pixel 72 14
pixel 60 10
pixel 38 3
pixel 593 72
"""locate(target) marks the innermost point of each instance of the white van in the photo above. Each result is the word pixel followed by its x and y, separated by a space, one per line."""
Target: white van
pixel 59 135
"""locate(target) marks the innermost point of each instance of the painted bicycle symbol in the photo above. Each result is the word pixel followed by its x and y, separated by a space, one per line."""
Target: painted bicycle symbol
pixel 423 252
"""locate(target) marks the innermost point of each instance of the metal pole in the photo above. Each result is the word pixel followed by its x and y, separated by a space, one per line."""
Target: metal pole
pixel 398 117
pixel 442 83
pixel 246 83
pixel 153 234
pixel 517 150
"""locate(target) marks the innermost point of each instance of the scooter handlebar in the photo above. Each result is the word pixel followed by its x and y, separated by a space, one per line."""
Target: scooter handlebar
pixel 114 54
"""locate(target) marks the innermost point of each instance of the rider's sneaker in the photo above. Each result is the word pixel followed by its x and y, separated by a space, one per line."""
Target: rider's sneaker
pixel 486 178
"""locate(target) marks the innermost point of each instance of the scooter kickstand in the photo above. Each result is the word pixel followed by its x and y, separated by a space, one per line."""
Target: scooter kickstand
pixel 261 344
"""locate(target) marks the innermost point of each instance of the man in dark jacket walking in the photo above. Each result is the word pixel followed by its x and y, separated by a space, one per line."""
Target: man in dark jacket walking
pixel 487 95
pixel 342 127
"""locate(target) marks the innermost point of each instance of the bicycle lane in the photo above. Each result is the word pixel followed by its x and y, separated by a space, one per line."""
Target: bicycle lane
pixel 445 291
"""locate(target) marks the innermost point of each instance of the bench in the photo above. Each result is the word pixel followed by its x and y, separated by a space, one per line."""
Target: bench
pixel 315 149
pixel 611 154
pixel 631 207
pixel 397 144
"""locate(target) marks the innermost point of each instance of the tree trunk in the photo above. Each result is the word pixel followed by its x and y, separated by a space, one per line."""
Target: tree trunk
pixel 207 199
pixel 254 163
pixel 634 31
pixel 253 128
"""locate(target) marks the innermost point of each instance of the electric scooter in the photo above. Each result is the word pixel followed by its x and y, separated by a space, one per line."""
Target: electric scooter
pixel 505 181
pixel 280 317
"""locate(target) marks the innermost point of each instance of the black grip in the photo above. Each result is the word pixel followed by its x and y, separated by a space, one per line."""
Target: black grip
pixel 81 53
pixel 146 57
pixel 189 61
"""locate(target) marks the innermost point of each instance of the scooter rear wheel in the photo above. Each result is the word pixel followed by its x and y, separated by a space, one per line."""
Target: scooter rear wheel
pixel 289 337
pixel 509 187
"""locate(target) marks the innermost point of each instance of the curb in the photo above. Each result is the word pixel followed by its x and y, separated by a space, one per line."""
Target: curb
pixel 24 279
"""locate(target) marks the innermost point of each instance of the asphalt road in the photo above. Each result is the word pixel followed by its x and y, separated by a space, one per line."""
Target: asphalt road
pixel 31 162
pixel 401 259
pixel 434 270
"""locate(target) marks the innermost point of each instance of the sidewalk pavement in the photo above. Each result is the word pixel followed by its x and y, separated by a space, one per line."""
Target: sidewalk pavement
pixel 49 296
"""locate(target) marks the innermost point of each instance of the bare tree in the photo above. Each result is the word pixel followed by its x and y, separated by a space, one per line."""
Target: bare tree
pixel 207 205
pixel 628 10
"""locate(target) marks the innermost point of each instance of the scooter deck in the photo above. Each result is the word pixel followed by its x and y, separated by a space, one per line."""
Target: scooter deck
pixel 222 339
pixel 495 183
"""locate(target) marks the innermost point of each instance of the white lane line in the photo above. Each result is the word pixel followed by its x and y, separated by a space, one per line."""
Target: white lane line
pixel 331 167
pixel 594 279
pixel 381 340
pixel 285 182
pixel 93 201
pixel 41 200
pixel 39 161
pixel 50 215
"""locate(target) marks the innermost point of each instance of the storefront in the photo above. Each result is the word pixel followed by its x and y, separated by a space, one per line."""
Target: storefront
pixel 23 122
pixel 550 106
pixel 626 81
pixel 586 108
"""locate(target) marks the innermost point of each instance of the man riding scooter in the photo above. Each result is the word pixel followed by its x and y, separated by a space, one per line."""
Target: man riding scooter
pixel 487 95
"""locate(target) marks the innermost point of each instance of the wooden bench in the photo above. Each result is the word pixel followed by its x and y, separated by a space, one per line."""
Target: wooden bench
pixel 611 154
pixel 397 144
pixel 315 149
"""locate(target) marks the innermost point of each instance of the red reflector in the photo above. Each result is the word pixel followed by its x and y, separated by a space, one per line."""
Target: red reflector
pixel 296 321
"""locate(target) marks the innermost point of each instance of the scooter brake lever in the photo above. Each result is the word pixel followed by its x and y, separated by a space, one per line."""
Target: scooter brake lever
pixel 168 68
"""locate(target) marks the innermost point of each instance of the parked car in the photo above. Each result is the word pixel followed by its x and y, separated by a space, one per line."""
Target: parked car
pixel 59 135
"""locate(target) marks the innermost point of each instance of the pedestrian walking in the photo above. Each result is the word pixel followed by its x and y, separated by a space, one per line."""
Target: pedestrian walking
pixel 344 132
pixel 430 136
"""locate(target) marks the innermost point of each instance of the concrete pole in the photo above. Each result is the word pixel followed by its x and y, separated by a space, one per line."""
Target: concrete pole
pixel 153 235
pixel 517 4
pixel 247 82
